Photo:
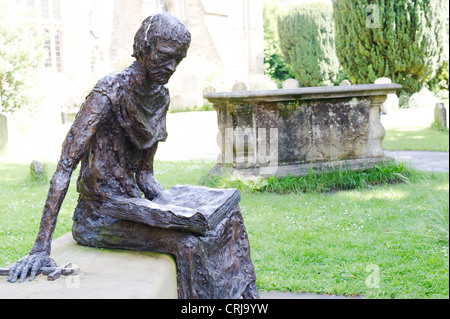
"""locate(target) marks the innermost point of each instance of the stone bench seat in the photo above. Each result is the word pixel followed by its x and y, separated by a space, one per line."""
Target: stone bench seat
pixel 102 275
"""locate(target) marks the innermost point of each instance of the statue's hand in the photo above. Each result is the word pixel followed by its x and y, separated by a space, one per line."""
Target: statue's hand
pixel 30 264
pixel 164 197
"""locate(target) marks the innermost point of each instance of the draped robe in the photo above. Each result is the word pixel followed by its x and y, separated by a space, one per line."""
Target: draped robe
pixel 117 136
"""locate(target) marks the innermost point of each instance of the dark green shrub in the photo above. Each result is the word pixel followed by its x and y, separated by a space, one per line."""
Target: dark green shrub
pixel 274 64
pixel 306 35
pixel 398 39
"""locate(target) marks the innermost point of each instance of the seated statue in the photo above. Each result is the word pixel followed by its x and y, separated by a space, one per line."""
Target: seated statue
pixel 121 205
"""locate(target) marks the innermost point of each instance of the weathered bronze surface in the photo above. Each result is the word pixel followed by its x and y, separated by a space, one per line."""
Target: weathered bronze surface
pixel 115 137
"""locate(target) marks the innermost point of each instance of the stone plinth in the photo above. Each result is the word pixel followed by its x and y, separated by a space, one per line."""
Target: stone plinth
pixel 104 274
pixel 270 131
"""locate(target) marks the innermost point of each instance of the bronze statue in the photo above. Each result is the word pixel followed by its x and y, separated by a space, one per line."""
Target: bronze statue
pixel 115 137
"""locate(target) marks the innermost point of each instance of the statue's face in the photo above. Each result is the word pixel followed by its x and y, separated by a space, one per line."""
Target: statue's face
pixel 163 60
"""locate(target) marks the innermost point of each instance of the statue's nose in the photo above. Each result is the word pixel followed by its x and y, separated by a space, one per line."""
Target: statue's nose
pixel 172 66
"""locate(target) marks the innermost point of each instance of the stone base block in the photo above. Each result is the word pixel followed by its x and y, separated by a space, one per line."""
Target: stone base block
pixel 298 169
pixel 104 274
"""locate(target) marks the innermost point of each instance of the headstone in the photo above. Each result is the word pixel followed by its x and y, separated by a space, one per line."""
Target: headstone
pixel 209 89
pixel 239 87
pixel 176 102
pixel 3 133
pixel 290 84
pixel 206 90
pixel 190 91
pixel 345 83
pixel 391 103
pixel 37 171
pixel 440 115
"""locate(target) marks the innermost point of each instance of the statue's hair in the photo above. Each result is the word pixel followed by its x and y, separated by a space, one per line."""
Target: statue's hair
pixel 162 26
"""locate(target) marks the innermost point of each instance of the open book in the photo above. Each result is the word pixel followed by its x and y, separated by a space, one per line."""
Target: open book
pixel 190 208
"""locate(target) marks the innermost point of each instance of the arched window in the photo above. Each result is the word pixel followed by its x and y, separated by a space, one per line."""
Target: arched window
pixel 49 9
pixel 51 21
pixel 47 49
pixel 44 10
pixel 57 48
pixel 50 16
pixel 55 10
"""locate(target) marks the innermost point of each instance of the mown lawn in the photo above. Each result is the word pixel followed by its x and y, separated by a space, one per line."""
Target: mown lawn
pixel 416 139
pixel 391 236
pixel 330 243
pixel 414 130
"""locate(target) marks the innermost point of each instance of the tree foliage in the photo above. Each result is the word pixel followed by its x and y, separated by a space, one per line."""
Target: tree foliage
pixel 20 54
pixel 398 39
pixel 440 80
pixel 306 35
pixel 274 63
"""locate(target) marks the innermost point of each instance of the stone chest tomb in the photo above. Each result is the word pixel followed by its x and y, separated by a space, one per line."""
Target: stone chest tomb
pixel 286 132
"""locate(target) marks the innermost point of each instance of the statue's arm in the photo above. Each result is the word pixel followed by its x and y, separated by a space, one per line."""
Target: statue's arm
pixel 145 175
pixel 90 116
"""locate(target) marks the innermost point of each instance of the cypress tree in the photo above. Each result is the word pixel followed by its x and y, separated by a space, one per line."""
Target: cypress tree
pixel 274 63
pixel 306 35
pixel 398 39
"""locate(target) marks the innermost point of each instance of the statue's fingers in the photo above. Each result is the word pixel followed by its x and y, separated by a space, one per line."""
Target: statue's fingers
pixel 35 269
pixel 24 273
pixel 26 269
pixel 11 272
pixel 15 271
pixel 51 263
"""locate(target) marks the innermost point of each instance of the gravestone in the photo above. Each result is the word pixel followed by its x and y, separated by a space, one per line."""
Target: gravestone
pixel 239 87
pixel 290 84
pixel 37 171
pixel 176 102
pixel 3 133
pixel 440 115
pixel 391 103
pixel 208 89
pixel 190 91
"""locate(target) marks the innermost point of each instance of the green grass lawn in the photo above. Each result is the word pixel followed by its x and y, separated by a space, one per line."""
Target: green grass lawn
pixel 413 130
pixel 330 242
pixel 326 243
pixel 416 139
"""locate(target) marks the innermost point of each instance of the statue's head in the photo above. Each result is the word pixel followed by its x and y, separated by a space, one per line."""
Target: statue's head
pixel 160 44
